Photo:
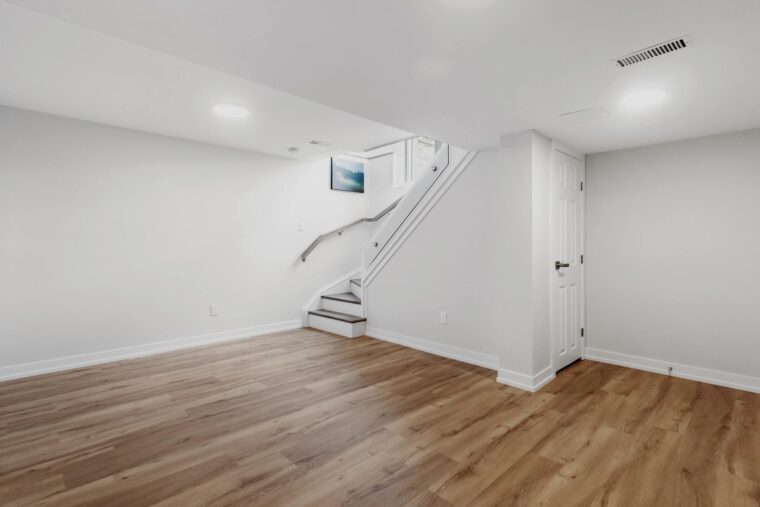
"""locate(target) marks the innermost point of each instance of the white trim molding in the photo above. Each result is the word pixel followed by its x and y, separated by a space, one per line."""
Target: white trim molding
pixel 147 349
pixel 439 349
pixel 720 378
pixel 526 382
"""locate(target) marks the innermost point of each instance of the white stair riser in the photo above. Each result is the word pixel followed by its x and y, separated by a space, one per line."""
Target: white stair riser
pixel 337 326
pixel 356 290
pixel 342 307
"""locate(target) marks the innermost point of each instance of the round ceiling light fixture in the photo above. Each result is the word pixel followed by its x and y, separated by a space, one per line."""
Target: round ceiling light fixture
pixel 643 99
pixel 230 111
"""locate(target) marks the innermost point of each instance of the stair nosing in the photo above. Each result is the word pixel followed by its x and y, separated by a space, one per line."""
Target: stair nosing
pixel 353 318
pixel 333 297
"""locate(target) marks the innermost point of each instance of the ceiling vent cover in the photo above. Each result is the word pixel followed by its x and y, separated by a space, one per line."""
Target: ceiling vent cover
pixel 660 49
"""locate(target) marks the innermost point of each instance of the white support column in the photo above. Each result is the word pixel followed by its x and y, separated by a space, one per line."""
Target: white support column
pixel 521 225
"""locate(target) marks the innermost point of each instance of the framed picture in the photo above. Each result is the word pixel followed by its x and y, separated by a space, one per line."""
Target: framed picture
pixel 347 174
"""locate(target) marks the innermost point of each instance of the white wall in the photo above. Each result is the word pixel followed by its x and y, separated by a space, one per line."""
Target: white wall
pixel 511 259
pixel 378 181
pixel 520 265
pixel 673 253
pixel 114 238
pixel 541 263
pixel 478 255
pixel 442 267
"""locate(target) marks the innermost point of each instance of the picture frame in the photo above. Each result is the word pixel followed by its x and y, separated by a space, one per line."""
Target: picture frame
pixel 347 173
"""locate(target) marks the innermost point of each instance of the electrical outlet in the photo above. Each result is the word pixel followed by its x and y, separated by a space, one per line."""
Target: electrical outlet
pixel 214 310
pixel 444 318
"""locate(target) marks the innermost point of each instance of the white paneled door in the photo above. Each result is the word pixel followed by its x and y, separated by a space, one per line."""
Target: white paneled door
pixel 566 247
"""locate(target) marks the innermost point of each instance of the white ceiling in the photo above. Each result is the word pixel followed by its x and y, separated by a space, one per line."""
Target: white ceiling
pixel 467 71
pixel 60 68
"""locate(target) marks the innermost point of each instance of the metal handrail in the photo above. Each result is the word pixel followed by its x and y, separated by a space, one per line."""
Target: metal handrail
pixel 340 230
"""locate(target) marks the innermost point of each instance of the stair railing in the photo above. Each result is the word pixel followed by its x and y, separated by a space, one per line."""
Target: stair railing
pixel 340 230
pixel 420 188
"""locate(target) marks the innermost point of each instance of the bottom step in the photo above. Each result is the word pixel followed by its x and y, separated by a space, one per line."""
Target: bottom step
pixel 343 324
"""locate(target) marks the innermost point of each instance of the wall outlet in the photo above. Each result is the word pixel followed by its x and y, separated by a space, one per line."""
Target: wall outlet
pixel 214 310
pixel 444 318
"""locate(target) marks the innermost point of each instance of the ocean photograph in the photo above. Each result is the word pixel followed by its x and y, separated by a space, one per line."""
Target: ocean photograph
pixel 347 174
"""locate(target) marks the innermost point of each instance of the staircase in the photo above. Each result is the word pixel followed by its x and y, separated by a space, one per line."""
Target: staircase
pixel 338 307
pixel 341 313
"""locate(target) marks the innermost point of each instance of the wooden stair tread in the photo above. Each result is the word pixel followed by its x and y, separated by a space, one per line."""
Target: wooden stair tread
pixel 346 297
pixel 351 319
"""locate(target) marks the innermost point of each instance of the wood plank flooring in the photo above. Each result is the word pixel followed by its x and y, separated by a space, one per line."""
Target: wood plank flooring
pixel 306 418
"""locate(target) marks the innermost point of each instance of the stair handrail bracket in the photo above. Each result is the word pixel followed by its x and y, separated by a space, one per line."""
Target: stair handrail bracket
pixel 339 231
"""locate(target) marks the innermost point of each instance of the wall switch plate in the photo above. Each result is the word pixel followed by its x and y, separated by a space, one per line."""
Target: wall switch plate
pixel 214 310
pixel 300 226
pixel 444 318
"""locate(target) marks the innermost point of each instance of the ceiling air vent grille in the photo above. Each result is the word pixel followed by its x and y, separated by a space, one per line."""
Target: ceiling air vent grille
pixel 660 49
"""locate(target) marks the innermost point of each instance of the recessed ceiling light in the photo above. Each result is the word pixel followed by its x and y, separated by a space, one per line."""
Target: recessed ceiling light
pixel 643 99
pixel 230 111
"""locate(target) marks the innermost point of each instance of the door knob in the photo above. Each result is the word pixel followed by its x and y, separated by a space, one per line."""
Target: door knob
pixel 558 264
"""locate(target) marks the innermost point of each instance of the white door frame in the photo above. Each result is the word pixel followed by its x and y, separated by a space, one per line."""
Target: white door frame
pixel 559 147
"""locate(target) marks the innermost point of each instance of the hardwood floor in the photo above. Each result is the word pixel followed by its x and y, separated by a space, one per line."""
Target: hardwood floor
pixel 308 418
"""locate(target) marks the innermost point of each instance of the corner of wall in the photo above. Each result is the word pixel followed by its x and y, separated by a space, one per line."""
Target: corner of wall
pixel 530 383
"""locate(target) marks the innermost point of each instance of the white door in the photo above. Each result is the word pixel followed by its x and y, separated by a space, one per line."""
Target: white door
pixel 566 247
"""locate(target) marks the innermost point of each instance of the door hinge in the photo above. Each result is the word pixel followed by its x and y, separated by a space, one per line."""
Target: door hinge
pixel 583 332
pixel 581 258
pixel 581 186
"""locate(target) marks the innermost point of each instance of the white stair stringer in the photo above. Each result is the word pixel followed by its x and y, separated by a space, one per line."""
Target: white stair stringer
pixel 355 286
pixel 373 265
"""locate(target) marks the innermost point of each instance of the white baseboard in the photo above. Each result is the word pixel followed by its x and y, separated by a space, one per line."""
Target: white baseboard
pixel 107 356
pixel 526 382
pixel 439 349
pixel 720 378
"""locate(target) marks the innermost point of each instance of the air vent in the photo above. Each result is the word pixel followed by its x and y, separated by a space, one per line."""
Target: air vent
pixel 320 143
pixel 660 49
